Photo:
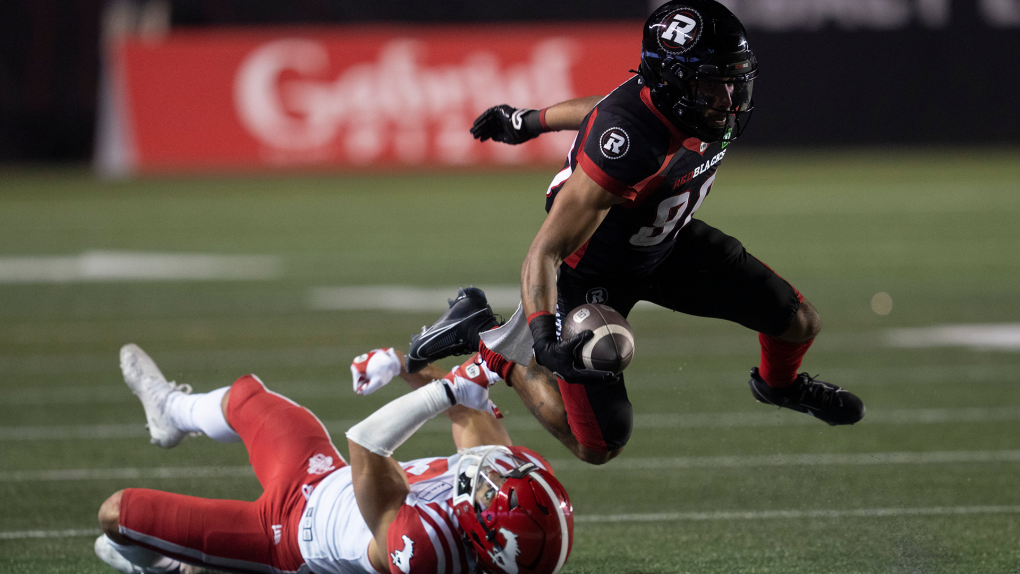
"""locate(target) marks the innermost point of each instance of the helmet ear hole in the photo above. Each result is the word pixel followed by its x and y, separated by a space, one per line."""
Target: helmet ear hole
pixel 538 502
pixel 513 499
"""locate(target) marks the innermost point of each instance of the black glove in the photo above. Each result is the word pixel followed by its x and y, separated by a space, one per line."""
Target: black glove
pixel 560 357
pixel 508 125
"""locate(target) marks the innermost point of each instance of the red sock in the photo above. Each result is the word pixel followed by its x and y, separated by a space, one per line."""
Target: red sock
pixel 497 363
pixel 780 360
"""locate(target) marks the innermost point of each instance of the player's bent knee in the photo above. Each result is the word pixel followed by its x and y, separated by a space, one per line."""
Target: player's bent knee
pixel 806 325
pixel 109 516
pixel 596 457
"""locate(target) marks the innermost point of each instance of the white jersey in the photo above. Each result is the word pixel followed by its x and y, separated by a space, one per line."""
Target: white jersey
pixel 423 539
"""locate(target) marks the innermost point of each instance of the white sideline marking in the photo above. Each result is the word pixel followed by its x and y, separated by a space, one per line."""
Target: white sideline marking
pixel 770 514
pixel 81 474
pixel 665 517
pixel 771 418
pixel 73 533
pixel 410 298
pixel 625 464
pixel 136 266
pixel 987 337
pixel 659 463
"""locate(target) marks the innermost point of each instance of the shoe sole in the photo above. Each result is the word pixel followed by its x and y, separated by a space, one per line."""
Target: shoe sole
pixel 439 339
pixel 132 358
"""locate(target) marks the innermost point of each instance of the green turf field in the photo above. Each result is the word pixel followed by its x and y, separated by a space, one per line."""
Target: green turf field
pixel 711 480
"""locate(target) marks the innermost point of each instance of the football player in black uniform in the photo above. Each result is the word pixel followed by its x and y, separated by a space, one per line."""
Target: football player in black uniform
pixel 621 228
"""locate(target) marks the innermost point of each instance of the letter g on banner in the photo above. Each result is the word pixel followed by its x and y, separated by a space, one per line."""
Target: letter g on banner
pixel 288 124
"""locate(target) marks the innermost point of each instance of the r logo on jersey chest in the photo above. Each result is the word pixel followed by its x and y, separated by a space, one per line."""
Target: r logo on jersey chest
pixel 614 143
pixel 597 295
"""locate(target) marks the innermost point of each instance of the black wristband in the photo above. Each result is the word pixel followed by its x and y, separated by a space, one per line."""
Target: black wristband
pixel 532 122
pixel 543 327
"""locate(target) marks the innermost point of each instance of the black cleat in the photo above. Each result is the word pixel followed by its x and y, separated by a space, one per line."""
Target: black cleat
pixel 455 333
pixel 824 401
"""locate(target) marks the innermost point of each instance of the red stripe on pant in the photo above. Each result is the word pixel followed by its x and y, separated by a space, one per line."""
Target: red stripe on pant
pixel 288 448
pixel 581 417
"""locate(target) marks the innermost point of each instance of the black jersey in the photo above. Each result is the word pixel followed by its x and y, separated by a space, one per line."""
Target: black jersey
pixel 629 148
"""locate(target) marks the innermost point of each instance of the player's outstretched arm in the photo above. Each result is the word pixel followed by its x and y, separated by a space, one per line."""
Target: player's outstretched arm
pixel 507 124
pixel 470 427
pixel 578 210
pixel 568 115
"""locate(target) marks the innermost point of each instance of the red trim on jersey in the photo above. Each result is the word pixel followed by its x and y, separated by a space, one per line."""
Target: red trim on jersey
pixel 443 541
pixel 694 144
pixel 436 468
pixel 454 531
pixel 606 181
pixel 646 97
pixel 409 523
pixel 645 187
pixel 576 256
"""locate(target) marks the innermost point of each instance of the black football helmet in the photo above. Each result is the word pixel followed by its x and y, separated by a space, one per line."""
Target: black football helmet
pixel 696 61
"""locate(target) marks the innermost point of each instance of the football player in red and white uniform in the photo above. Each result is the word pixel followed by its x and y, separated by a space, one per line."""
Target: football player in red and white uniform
pixel 492 507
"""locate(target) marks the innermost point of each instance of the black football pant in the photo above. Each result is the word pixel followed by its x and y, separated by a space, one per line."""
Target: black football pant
pixel 708 274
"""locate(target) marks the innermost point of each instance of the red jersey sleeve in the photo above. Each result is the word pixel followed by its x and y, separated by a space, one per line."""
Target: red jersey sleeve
pixel 424 540
pixel 409 546
pixel 617 153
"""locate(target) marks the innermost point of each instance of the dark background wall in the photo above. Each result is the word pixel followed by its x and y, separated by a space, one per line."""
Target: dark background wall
pixel 834 72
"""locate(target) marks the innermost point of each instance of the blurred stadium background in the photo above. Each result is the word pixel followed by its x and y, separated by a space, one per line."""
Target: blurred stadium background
pixel 277 187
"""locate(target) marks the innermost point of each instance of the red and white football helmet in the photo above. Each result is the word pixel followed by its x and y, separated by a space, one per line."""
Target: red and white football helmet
pixel 519 520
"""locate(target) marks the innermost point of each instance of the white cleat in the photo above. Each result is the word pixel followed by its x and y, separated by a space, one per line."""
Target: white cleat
pixel 152 388
pixel 109 554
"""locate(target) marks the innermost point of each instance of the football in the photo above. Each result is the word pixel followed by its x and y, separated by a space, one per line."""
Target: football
pixel 612 347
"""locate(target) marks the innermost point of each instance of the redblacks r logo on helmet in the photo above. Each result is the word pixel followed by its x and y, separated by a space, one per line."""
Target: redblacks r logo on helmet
pixel 682 29
pixel 614 143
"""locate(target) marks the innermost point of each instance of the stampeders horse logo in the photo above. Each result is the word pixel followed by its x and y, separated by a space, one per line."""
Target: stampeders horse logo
pixel 402 558
pixel 680 30
pixel 505 556
pixel 320 464
pixel 614 143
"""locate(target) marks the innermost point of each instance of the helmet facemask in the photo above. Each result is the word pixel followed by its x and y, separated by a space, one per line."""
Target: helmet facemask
pixel 496 509
pixel 709 104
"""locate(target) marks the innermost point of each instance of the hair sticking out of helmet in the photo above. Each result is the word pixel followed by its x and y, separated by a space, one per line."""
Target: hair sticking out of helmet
pixel 697 63
pixel 515 514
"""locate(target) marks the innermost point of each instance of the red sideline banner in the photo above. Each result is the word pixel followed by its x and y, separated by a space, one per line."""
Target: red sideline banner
pixel 242 99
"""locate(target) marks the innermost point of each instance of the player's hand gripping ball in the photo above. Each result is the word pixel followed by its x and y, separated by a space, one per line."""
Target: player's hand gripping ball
pixel 372 370
pixel 611 347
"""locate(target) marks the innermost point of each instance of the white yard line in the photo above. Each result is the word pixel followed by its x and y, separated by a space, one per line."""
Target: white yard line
pixel 762 418
pixel 502 298
pixel 772 514
pixel 72 533
pixel 104 266
pixel 666 517
pixel 622 464
pixel 746 461
pixel 986 337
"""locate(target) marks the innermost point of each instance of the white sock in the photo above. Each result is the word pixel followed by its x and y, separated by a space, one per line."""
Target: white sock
pixel 149 560
pixel 203 413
